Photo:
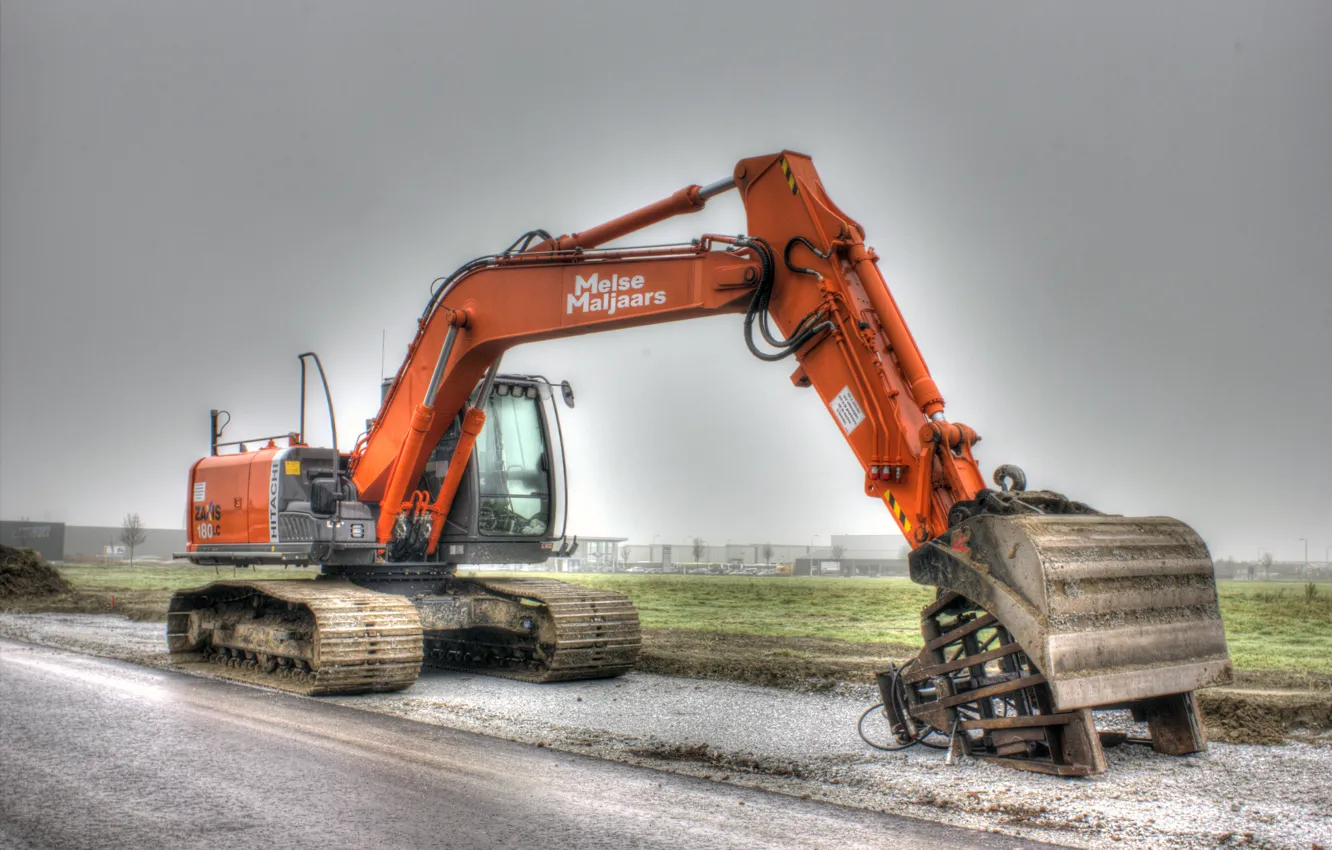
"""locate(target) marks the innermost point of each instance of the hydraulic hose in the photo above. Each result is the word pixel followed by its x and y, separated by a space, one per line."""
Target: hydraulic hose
pixel 923 732
pixel 758 310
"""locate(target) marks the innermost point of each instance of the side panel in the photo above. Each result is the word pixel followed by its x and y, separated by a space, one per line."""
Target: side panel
pixel 265 478
pixel 219 491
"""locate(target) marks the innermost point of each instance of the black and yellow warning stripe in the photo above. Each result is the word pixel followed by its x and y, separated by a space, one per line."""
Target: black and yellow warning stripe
pixel 790 178
pixel 899 513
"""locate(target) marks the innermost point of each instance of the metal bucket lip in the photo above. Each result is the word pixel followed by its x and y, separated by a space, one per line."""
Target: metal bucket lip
pixel 1123 686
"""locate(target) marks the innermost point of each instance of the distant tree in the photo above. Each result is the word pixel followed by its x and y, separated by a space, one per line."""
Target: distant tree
pixel 1266 563
pixel 700 546
pixel 766 550
pixel 624 555
pixel 838 551
pixel 903 552
pixel 132 533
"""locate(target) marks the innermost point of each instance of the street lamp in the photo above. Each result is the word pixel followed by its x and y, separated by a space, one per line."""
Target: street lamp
pixel 1306 555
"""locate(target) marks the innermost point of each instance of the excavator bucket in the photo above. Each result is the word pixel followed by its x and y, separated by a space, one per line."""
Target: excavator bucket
pixel 1110 609
pixel 1041 618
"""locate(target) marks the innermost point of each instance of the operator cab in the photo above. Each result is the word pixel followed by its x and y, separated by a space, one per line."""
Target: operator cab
pixel 510 505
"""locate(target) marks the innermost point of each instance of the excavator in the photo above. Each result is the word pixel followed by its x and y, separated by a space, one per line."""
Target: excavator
pixel 1046 609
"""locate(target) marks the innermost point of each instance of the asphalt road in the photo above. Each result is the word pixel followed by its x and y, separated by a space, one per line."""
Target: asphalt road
pixel 99 753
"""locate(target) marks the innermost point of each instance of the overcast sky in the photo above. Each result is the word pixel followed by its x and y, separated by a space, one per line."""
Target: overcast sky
pixel 1108 225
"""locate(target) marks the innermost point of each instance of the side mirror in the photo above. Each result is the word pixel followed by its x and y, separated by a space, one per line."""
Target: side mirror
pixel 567 391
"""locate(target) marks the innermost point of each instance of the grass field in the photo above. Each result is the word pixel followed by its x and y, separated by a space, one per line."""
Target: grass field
pixel 861 610
pixel 1269 625
pixel 1278 625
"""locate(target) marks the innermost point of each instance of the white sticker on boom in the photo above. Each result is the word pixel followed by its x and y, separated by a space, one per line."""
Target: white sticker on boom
pixel 200 489
pixel 847 411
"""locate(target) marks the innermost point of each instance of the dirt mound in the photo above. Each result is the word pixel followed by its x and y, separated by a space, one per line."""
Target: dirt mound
pixel 24 573
pixel 134 604
pixel 739 762
pixel 782 662
pixel 1241 716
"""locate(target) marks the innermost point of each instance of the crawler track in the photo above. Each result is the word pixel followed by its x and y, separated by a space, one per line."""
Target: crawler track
pixel 333 637
pixel 576 633
pixel 308 637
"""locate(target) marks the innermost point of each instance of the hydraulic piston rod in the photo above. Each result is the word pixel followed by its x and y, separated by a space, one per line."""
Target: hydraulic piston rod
pixel 688 200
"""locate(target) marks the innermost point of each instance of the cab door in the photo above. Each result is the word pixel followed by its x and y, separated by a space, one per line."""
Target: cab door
pixel 510 505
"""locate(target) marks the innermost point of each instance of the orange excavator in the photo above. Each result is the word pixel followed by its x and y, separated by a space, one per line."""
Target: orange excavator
pixel 1046 609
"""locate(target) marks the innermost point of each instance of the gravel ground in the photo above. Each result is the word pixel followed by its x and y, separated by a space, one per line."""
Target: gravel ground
pixel 806 745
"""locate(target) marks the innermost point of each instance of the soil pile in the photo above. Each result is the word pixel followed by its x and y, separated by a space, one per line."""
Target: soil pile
pixel 1238 716
pixel 817 664
pixel 24 573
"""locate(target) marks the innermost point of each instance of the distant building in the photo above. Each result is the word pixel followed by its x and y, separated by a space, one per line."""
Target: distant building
pixel 594 555
pixel 93 541
pixel 824 564
pixel 861 554
pixel 56 541
pixel 46 538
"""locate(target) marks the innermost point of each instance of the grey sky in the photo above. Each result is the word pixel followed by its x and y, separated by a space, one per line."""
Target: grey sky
pixel 1109 226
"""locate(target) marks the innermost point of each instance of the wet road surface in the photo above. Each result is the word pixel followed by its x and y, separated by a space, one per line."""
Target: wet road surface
pixel 98 753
